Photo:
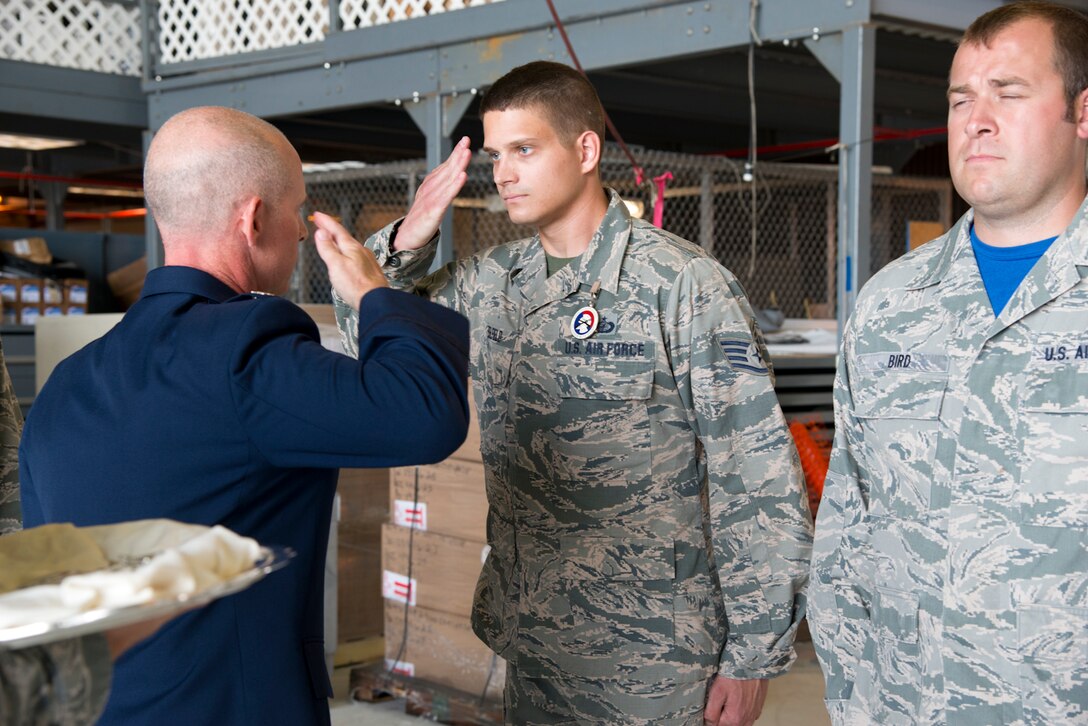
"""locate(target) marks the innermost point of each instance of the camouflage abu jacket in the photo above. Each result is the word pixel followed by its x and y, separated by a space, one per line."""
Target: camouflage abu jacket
pixel 950 573
pixel 62 683
pixel 647 516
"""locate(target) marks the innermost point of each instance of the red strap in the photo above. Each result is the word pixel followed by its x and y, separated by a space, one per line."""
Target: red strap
pixel 607 120
pixel 659 198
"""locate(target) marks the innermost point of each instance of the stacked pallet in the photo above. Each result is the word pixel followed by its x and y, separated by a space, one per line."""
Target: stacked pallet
pixel 432 553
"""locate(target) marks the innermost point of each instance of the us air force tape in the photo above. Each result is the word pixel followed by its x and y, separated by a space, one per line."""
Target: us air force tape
pixel 584 322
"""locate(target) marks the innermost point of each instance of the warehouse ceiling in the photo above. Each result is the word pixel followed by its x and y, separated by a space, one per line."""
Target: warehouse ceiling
pixel 695 104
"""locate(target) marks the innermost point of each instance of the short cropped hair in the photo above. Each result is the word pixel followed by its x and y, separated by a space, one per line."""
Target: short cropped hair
pixel 1070 29
pixel 206 162
pixel 565 96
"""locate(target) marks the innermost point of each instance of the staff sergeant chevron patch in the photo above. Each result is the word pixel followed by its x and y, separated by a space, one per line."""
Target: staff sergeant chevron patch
pixel 743 355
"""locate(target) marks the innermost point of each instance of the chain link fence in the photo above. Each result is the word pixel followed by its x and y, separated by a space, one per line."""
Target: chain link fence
pixel 787 262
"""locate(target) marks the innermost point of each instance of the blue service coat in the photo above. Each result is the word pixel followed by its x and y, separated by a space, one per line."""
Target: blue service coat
pixel 210 407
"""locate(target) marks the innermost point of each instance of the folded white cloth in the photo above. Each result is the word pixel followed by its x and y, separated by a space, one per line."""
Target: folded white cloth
pixel 213 556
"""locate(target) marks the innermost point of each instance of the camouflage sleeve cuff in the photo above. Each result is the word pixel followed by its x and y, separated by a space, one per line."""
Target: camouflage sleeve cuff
pixel 758 655
pixel 394 261
pixel 837 711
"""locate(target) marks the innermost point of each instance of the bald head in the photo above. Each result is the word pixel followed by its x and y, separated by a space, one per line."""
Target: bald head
pixel 204 162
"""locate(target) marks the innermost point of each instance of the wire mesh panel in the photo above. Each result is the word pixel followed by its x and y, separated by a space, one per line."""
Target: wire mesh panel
pixel 196 29
pixel 778 235
pixel 90 35
pixel 193 29
pixel 366 13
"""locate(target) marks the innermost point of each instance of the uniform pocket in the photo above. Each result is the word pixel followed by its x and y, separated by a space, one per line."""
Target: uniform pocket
pixel 603 430
pixel 604 379
pixel 498 358
pixel 1053 646
pixel 1054 440
pixel 620 595
pixel 895 631
pixel 899 413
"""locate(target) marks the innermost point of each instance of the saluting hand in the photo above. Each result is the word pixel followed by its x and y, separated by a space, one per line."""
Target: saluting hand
pixel 433 197
pixel 353 269
pixel 734 703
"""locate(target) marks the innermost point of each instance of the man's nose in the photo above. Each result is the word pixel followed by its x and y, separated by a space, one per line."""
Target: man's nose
pixel 981 121
pixel 503 172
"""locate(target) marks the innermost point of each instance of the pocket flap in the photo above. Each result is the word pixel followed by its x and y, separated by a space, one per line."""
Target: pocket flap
pixel 1052 633
pixel 605 379
pixel 1060 390
pixel 898 394
pixel 596 558
pixel 895 615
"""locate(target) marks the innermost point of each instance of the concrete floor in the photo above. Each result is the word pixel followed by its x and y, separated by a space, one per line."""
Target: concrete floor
pixel 795 698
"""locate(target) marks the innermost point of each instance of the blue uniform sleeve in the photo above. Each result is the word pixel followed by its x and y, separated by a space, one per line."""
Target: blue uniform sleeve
pixel 403 402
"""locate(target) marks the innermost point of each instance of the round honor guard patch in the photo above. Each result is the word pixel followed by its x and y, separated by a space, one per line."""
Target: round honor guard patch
pixel 584 323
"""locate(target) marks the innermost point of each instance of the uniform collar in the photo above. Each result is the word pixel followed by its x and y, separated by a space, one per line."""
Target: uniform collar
pixel 956 241
pixel 601 261
pixel 189 280
pixel 1068 252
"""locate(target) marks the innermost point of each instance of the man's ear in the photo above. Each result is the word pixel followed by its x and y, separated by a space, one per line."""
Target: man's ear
pixel 250 220
pixel 589 145
pixel 1080 114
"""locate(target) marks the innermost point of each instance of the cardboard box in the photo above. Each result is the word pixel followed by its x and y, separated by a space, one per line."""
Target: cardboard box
pixel 470 450
pixel 442 648
pixel 358 588
pixel 451 499
pixel 28 314
pixel 444 569
pixel 29 290
pixel 34 249
pixel 52 292
pixel 127 282
pixel 9 291
pixel 75 293
pixel 364 498
pixel 364 507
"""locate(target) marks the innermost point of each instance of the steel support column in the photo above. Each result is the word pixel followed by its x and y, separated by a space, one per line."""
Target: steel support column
pixel 436 117
pixel 855 166
pixel 54 193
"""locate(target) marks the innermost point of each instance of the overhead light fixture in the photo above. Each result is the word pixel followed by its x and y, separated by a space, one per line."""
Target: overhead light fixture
pixel 107 192
pixel 35 143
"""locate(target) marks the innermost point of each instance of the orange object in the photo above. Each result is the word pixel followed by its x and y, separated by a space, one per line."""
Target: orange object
pixel 814 460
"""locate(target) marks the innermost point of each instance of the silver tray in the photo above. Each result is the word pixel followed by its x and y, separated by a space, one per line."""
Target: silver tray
pixel 271 559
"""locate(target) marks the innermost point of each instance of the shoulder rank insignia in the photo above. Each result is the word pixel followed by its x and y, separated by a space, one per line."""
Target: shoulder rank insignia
pixel 743 355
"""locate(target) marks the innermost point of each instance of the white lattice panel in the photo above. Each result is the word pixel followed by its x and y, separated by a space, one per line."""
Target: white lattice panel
pixel 365 13
pixel 192 29
pixel 92 35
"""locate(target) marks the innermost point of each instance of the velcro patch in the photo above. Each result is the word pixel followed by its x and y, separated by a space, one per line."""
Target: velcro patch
pixel 742 354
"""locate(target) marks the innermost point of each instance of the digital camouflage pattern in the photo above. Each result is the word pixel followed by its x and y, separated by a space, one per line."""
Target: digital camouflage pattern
pixel 11 428
pixel 647 518
pixel 950 573
pixel 64 683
